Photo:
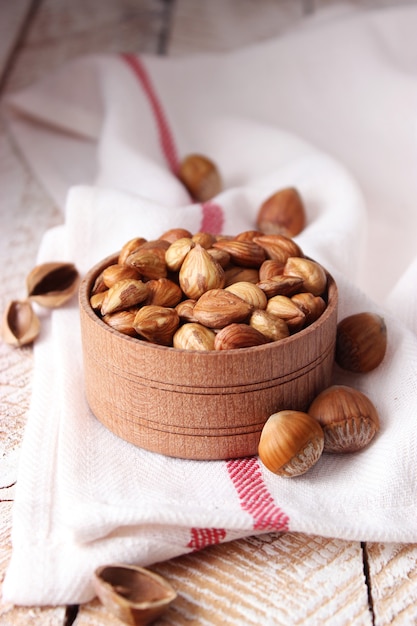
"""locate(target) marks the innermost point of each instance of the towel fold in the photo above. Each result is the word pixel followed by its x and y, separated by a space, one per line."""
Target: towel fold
pixel 105 134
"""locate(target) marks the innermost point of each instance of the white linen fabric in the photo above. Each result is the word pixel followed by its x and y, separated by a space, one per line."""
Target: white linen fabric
pixel 104 134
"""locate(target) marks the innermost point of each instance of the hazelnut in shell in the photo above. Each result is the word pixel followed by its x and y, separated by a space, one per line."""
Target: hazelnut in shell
pixel 200 176
pixel 291 443
pixel 361 342
pixel 348 418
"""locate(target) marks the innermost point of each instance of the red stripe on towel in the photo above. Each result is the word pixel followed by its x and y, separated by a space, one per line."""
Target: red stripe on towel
pixel 254 497
pixel 165 137
pixel 203 537
pixel 212 218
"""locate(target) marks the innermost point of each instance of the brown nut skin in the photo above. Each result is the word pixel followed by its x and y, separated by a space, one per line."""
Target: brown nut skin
pixel 361 342
pixel 313 274
pixel 279 247
pixel 250 293
pixel 129 247
pixel 123 295
pixel 199 273
pixel 243 253
pixel 291 443
pixel 194 336
pixel 236 336
pixel 282 213
pixel 348 418
pixel 113 273
pixel 274 328
pixel 157 324
pixel 173 234
pixel 217 308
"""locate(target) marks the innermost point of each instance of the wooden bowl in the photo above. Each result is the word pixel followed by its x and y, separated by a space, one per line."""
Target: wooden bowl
pixel 200 405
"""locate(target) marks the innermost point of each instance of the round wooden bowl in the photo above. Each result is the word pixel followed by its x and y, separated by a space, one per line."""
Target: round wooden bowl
pixel 200 405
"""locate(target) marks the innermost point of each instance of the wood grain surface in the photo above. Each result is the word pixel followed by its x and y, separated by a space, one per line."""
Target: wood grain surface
pixel 270 579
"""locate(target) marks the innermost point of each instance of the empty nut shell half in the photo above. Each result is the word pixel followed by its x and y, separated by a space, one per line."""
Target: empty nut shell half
pixel 20 325
pixel 133 594
pixel 52 284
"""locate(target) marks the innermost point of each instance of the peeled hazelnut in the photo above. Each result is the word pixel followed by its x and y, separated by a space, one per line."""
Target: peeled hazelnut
pixel 236 336
pixel 243 253
pixel 361 342
pixel 205 240
pixel 282 213
pixel 113 273
pixel 270 269
pixel 274 328
pixel 348 418
pixel 52 284
pixel 199 272
pixel 173 234
pixel 129 247
pixel 279 247
pixel 236 274
pixel 177 251
pixel 122 321
pixel 157 324
pixel 20 325
pixel 217 308
pixel 123 295
pixel 286 309
pixel 221 256
pixel 150 262
pixel 312 306
pixel 163 292
pixel 194 336
pixel 97 299
pixel 280 285
pixel 248 235
pixel 313 275
pixel 99 285
pixel 200 176
pixel 185 310
pixel 250 293
pixel 156 245
pixel 291 443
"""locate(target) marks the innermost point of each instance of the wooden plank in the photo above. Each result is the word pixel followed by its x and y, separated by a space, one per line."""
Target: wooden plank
pixel 271 579
pixel 13 16
pixel 218 26
pixel 393 577
pixel 64 29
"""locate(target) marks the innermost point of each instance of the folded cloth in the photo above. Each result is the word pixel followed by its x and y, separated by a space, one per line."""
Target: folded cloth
pixel 112 129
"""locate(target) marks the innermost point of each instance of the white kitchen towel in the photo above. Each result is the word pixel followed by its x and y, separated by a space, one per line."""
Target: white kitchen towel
pixel 113 129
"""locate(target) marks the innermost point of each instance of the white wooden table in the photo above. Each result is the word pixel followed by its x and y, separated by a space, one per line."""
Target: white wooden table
pixel 274 579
